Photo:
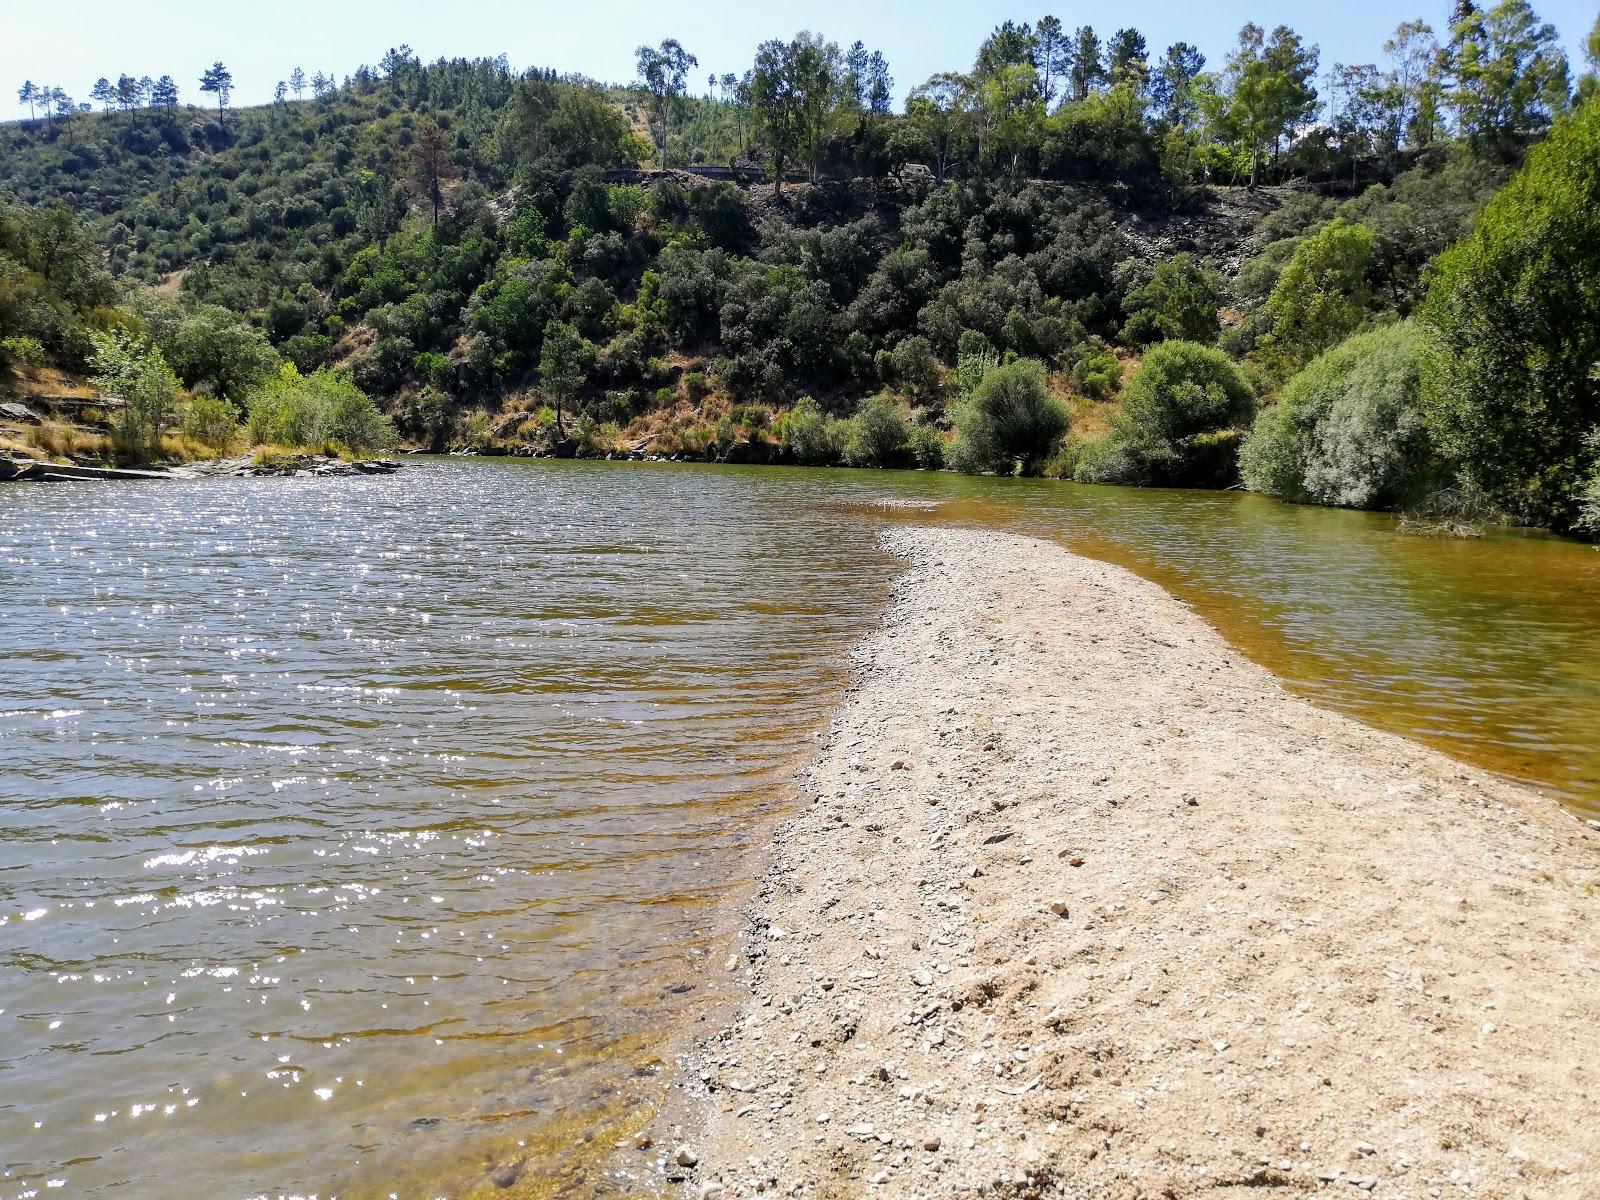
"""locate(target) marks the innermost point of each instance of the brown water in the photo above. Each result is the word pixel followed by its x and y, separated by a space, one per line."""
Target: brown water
pixel 373 836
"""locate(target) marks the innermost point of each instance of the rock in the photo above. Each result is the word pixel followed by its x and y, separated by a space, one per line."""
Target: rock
pixel 713 1188
pixel 506 1176
pixel 878 1177
pixel 921 978
pixel 21 413
pixel 930 1144
pixel 1592 823
pixel 1060 909
pixel 685 1157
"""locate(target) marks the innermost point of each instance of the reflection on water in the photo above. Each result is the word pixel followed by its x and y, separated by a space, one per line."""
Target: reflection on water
pixel 360 834
pixel 368 836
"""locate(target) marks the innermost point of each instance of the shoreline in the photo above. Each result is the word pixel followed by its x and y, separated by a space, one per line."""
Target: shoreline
pixel 1078 901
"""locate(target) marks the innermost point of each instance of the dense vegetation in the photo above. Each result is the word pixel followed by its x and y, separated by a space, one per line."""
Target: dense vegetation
pixel 963 281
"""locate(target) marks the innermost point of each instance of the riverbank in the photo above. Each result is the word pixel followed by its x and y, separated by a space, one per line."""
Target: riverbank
pixel 1082 903
pixel 286 465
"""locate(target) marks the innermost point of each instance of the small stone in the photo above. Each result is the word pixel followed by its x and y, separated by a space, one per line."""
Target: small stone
pixel 1592 823
pixel 921 978
pixel 685 1157
pixel 709 1190
pixel 823 1118
pixel 1075 861
pixel 930 1144
pixel 880 1177
pixel 1060 909
pixel 899 765
pixel 1219 1044
pixel 643 1142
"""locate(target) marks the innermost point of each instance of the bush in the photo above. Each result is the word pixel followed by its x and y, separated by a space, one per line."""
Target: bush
pixel 210 420
pixel 804 435
pixel 1348 430
pixel 1515 313
pixel 1178 304
pixel 878 434
pixel 1181 402
pixel 1010 421
pixel 1320 297
pixel 315 410
pixel 1097 372
pixel 927 447
pixel 25 350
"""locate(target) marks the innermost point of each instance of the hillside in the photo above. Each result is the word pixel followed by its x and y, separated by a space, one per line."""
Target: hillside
pixel 492 257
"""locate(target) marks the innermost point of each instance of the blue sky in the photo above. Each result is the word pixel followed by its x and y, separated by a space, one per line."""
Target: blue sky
pixel 72 42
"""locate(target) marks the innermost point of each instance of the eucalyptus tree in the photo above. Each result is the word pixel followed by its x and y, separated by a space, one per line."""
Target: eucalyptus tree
pixel 663 71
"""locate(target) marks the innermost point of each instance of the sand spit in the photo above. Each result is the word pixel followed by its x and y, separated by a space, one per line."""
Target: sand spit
pixel 1083 904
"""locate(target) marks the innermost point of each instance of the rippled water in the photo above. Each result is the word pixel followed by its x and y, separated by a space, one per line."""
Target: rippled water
pixel 372 836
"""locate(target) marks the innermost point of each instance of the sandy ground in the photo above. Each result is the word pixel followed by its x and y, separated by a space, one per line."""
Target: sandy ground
pixel 1083 904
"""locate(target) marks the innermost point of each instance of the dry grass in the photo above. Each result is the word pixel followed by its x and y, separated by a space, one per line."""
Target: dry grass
pixel 57 440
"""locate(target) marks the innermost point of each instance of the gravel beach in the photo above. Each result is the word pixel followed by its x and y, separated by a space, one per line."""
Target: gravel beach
pixel 1081 903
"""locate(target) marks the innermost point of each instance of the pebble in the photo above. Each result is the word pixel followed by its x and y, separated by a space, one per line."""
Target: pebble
pixel 685 1157
pixel 930 1144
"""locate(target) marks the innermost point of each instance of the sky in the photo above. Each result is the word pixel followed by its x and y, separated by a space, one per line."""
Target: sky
pixel 71 43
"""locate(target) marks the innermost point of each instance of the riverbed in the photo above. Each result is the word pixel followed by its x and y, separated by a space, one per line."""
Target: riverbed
pixel 371 835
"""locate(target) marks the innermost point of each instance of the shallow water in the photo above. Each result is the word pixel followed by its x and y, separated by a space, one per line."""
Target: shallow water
pixel 372 836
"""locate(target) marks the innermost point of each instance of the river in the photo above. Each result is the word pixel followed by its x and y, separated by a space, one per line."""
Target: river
pixel 374 836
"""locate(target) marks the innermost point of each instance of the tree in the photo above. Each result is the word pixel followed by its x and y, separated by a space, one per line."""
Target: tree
pixel 1086 71
pixel 127 93
pixel 793 87
pixel 563 364
pixel 1012 110
pixel 433 170
pixel 1172 87
pixel 28 94
pixel 297 82
pixel 664 73
pixel 1412 89
pixel 1127 56
pixel 280 93
pixel 137 374
pixel 1513 314
pixel 1010 422
pixel 1511 75
pixel 219 81
pixel 165 92
pixel 940 109
pixel 1010 45
pixel 1050 56
pixel 1268 90
pixel 1321 295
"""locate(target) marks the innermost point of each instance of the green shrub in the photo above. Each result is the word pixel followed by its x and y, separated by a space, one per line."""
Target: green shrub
pixel 927 447
pixel 136 373
pixel 315 410
pixel 1588 519
pixel 25 350
pixel 1514 311
pixel 1097 372
pixel 1348 430
pixel 1179 303
pixel 804 435
pixel 878 434
pixel 1011 421
pixel 1320 297
pixel 210 420
pixel 1182 398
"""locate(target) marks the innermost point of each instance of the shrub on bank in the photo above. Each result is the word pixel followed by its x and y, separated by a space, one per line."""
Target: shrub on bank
pixel 315 410
pixel 878 434
pixel 804 435
pixel 1349 429
pixel 1176 424
pixel 1011 421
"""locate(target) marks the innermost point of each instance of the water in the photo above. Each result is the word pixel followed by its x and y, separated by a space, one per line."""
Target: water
pixel 375 836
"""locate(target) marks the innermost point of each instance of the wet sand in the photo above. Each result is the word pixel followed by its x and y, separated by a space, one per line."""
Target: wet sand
pixel 1081 903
